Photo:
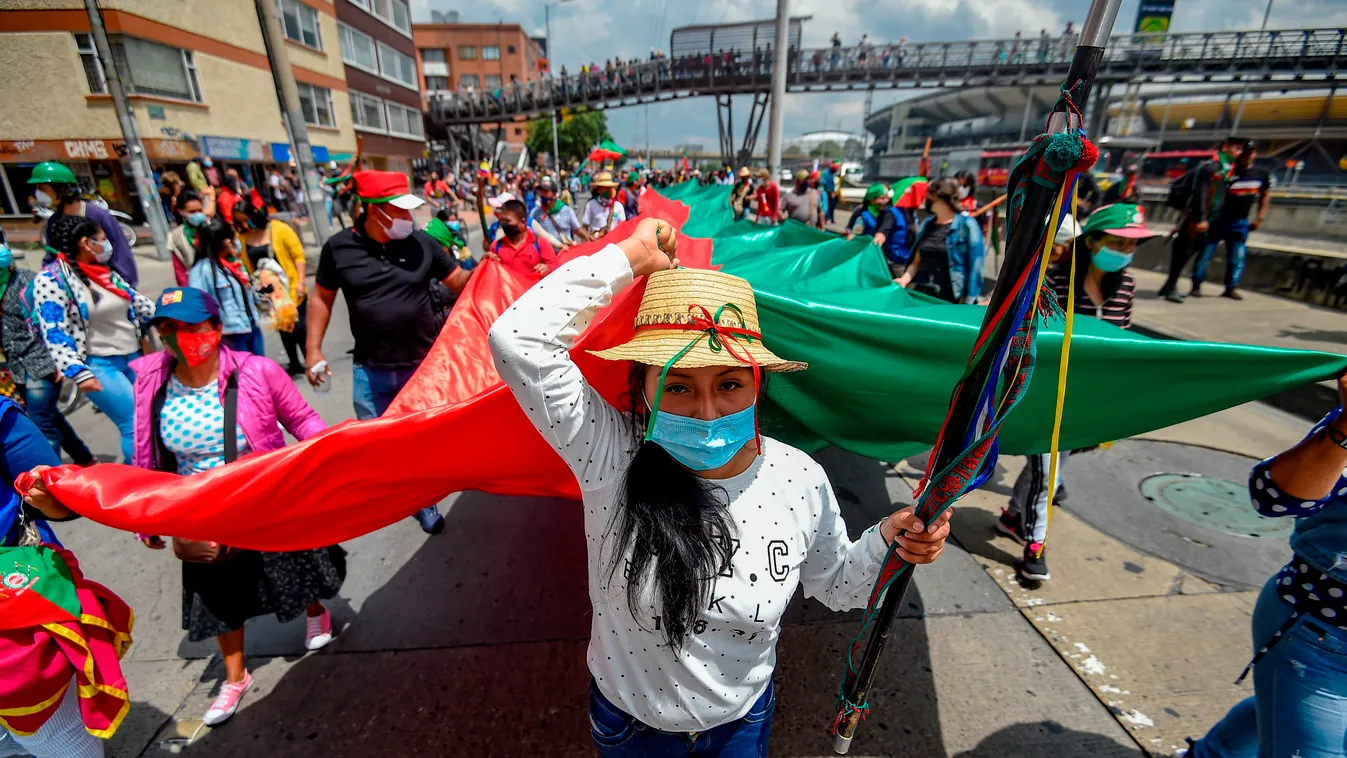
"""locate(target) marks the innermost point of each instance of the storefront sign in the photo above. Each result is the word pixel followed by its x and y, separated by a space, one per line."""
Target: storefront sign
pixel 1153 16
pixel 156 112
pixel 280 152
pixel 176 150
pixel 232 148
pixel 34 151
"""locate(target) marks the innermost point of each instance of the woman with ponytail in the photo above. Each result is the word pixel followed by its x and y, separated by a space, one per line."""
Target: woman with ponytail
pixel 699 529
pixel 91 319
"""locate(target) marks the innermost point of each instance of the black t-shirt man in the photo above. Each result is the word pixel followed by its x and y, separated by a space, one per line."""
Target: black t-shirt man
pixel 1247 188
pixel 387 291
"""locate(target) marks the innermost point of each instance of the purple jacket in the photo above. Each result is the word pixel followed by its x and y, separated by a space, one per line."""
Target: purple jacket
pixel 267 399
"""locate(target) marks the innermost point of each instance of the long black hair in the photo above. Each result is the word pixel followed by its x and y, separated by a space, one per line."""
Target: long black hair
pixel 64 235
pixel 675 525
pixel 210 246
pixel 1111 281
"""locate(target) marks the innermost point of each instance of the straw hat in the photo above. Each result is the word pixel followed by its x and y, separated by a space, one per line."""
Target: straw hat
pixel 670 301
pixel 603 179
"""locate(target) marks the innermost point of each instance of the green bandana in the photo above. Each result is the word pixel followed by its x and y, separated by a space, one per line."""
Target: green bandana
pixel 556 207
pixel 442 234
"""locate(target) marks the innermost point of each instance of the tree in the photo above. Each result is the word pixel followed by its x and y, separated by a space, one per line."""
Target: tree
pixel 794 151
pixel 575 138
pixel 826 148
pixel 854 150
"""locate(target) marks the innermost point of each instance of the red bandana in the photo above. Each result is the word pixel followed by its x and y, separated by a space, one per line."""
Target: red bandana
pixel 100 275
pixel 236 268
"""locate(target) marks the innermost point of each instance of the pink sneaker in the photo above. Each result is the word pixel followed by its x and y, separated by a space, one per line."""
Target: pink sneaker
pixel 319 631
pixel 227 701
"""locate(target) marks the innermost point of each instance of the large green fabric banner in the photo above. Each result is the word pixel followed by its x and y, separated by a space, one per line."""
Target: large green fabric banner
pixel 883 361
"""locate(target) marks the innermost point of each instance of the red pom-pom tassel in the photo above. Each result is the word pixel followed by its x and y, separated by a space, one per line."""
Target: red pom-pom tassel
pixel 1089 155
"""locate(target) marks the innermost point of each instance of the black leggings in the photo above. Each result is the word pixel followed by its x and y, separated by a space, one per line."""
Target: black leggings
pixel 294 340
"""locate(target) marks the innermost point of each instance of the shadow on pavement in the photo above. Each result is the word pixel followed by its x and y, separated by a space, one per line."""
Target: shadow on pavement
pixel 1048 738
pixel 476 647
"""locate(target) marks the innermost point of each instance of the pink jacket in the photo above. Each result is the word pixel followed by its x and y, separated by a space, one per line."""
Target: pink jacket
pixel 267 400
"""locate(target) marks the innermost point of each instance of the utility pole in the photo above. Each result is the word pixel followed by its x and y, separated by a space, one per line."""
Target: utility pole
pixel 1244 92
pixel 293 116
pixel 547 23
pixel 140 163
pixel 780 60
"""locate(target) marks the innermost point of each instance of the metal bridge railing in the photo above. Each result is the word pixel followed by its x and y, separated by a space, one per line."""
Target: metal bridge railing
pixel 1296 50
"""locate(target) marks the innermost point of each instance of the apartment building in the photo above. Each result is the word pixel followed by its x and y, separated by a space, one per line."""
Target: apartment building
pixel 479 57
pixel 384 87
pixel 200 85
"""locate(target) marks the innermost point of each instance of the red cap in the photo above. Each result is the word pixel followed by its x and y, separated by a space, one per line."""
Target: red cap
pixel 385 187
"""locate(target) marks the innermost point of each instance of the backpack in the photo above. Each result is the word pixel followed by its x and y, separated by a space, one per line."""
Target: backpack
pixel 1181 190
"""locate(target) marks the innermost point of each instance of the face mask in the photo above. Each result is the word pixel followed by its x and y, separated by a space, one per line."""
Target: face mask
pixel 704 445
pixel 196 218
pixel 42 198
pixel 208 163
pixel 455 224
pixel 1110 260
pixel 963 192
pixel 398 228
pixel 511 230
pixel 193 348
pixel 104 254
pixel 6 257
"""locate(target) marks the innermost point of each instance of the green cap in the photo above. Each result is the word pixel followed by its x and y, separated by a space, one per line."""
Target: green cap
pixel 1121 220
pixel 51 172
pixel 875 191
pixel 633 177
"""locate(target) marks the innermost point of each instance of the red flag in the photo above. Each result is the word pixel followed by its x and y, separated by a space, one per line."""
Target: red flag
pixel 335 486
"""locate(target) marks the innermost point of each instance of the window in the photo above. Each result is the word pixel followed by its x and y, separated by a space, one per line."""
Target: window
pixel 404 121
pixel 510 49
pixel 397 66
pixel 357 49
pixel 518 131
pixel 93 68
pixel 490 52
pixel 467 53
pixel 316 102
pixel 493 81
pixel 432 55
pixel 391 12
pixel 367 112
pixel 437 83
pixel 469 80
pixel 146 68
pixel 300 22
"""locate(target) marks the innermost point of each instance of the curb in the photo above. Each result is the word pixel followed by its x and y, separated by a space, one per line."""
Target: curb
pixel 1307 401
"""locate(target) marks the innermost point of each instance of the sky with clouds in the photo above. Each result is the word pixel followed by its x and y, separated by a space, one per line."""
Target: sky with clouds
pixel 593 30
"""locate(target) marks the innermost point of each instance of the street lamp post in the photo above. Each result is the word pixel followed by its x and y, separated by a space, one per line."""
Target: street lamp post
pixel 547 24
pixel 1244 92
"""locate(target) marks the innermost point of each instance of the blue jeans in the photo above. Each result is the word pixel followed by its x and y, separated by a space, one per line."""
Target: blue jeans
pixel 1299 705
pixel 1235 236
pixel 116 400
pixel 619 735
pixel 41 396
pixel 375 388
pixel 251 342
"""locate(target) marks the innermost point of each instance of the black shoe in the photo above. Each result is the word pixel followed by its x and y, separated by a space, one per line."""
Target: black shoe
pixel 1012 526
pixel 1196 291
pixel 294 369
pixel 1034 566
pixel 1060 497
pixel 1233 294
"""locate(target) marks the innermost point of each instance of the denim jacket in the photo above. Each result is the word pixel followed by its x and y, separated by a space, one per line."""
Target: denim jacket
pixel 238 303
pixel 966 250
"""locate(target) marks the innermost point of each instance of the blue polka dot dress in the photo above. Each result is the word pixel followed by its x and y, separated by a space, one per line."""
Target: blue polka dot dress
pixel 192 427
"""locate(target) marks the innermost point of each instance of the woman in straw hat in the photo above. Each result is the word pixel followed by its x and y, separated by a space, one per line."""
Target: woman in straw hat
pixel 699 529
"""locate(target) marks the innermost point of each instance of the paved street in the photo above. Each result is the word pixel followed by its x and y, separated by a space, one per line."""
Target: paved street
pixel 472 642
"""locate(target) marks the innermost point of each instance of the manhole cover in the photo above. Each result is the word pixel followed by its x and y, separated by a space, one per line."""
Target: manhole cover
pixel 1212 503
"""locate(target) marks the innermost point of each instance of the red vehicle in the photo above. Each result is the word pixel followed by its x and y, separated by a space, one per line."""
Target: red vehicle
pixel 994 167
pixel 1164 167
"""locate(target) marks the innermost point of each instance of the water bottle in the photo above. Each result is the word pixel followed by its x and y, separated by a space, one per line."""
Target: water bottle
pixel 320 370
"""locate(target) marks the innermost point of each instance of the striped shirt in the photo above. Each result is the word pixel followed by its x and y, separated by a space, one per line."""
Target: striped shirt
pixel 1117 306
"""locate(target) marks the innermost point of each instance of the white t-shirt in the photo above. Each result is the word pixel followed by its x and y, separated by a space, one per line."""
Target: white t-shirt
pixel 789 530
pixel 596 215
pixel 110 328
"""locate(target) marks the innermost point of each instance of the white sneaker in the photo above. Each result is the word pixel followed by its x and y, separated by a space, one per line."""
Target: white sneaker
pixel 319 631
pixel 227 701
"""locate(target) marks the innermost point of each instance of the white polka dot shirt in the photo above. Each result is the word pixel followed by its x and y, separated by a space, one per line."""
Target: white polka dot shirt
pixel 789 529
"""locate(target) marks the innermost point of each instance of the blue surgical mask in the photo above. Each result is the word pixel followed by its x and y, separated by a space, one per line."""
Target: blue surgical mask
pixel 196 219
pixel 1109 260
pixel 455 225
pixel 6 256
pixel 704 445
pixel 105 254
